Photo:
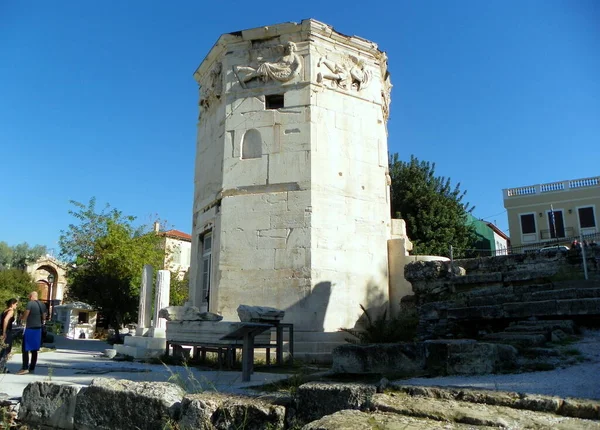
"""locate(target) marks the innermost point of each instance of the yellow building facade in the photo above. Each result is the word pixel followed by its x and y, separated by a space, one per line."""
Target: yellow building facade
pixel 554 212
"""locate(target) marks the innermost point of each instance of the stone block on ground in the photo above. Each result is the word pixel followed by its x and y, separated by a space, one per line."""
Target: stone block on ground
pixel 50 404
pixel 187 313
pixel 575 408
pixel 519 340
pixel 259 313
pixel 475 414
pixel 357 420
pixel 403 359
pixel 221 411
pixel 122 404
pixel 467 357
pixel 317 399
pixel 567 326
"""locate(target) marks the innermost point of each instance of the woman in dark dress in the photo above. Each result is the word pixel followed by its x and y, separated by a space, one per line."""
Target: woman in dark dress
pixel 6 332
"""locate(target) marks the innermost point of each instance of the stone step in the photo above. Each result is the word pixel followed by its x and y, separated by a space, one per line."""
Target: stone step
pixel 570 293
pixel 145 342
pixel 531 293
pixel 139 352
pixel 520 340
pixel 475 415
pixel 316 347
pixel 568 326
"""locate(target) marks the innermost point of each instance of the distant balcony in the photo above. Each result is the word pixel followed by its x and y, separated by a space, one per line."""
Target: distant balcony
pixel 547 234
pixel 552 187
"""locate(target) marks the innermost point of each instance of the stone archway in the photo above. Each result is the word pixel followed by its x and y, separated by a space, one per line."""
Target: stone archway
pixel 50 276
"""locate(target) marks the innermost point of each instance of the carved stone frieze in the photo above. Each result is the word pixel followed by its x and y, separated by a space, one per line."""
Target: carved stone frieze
pixel 386 88
pixel 283 69
pixel 348 74
pixel 213 87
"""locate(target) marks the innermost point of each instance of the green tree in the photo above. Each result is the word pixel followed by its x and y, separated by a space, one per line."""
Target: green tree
pixel 20 255
pixel 107 254
pixel 434 211
pixel 17 284
pixel 179 292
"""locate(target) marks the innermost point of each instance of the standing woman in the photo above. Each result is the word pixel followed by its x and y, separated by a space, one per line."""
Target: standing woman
pixel 6 332
pixel 34 317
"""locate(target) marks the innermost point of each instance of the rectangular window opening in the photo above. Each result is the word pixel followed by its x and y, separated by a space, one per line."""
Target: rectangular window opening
pixel 586 217
pixel 528 224
pixel 274 101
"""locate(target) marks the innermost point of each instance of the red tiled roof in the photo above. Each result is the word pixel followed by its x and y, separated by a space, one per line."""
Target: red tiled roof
pixel 176 234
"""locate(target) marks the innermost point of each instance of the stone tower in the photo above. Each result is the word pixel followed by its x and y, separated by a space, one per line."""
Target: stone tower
pixel 291 201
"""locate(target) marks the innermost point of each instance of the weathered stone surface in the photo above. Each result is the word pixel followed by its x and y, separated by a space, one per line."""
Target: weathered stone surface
pixel 467 357
pixel 210 316
pixel 477 312
pixel 398 358
pixel 49 403
pixel 220 411
pixel 187 313
pixel 259 313
pixel 431 270
pixel 180 313
pixel 356 420
pixel 475 414
pixel 576 408
pixel 529 275
pixel 517 339
pixel 590 306
pixel 479 278
pixel 317 399
pixel 527 309
pixel 121 404
pixel 567 326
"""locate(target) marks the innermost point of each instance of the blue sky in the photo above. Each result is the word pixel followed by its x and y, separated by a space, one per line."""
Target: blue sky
pixel 97 98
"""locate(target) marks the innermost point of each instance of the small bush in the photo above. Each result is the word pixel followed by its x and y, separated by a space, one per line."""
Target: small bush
pixel 402 328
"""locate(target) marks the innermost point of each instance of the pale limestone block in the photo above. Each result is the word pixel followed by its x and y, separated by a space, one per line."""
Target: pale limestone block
pixel 250 120
pixel 205 217
pixel 298 200
pixel 291 219
pixel 258 202
pixel 295 115
pixel 239 237
pixel 289 167
pixel 255 222
pixel 297 97
pixel 290 257
pixel 243 173
pixel 294 137
pixel 271 242
pixel 248 104
pixel 330 240
pixel 299 237
pixel 280 233
pixel 383 153
pixel 249 313
pixel 244 259
pixel 271 31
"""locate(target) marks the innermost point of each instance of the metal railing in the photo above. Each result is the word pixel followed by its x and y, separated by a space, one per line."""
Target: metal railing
pixel 566 233
pixel 552 187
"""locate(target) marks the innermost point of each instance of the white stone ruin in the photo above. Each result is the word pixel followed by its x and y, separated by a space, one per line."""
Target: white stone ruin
pixel 150 339
pixel 292 187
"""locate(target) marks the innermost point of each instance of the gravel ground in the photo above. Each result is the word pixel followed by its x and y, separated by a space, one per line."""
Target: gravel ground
pixel 580 380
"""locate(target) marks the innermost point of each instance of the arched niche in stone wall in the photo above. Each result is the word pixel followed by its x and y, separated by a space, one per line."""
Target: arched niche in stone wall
pixel 251 144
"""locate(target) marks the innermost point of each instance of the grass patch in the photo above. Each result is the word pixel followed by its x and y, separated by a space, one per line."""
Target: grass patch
pixel 571 351
pixel 538 366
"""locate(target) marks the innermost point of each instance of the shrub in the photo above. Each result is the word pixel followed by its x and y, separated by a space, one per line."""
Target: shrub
pixel 381 329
